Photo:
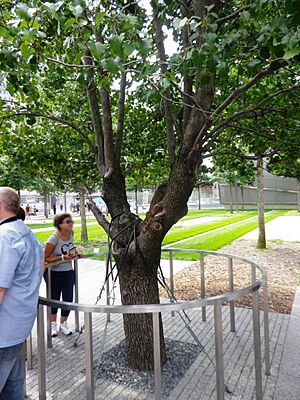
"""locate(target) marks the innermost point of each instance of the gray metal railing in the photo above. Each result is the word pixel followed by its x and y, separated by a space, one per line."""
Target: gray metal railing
pixel 155 309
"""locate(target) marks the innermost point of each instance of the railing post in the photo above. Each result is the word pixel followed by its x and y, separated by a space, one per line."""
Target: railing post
pixel 266 331
pixel 89 361
pixel 256 338
pixel 156 351
pixel 76 294
pixel 219 351
pixel 29 351
pixel 48 287
pixel 231 289
pixel 202 285
pixel 41 353
pixel 171 279
pixel 107 288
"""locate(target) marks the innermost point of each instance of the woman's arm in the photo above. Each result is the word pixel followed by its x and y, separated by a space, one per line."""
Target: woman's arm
pixel 50 259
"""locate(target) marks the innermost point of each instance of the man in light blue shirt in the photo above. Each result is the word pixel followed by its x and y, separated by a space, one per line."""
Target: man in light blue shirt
pixel 21 261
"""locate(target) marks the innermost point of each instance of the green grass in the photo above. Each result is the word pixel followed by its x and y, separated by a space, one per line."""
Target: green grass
pixel 182 232
pixel 50 224
pixel 293 213
pixel 216 240
pixel 96 235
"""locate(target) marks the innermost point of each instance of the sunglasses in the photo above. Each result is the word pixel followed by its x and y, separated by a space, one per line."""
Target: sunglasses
pixel 68 221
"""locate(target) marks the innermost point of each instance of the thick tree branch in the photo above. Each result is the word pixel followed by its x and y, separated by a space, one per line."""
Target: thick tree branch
pixel 108 132
pixel 167 103
pixel 121 116
pixel 240 155
pixel 187 80
pixel 100 218
pixel 241 89
pixel 236 13
pixel 55 119
pixel 95 113
pixel 68 65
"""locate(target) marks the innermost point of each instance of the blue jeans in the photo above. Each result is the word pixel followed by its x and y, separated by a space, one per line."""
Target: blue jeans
pixel 11 373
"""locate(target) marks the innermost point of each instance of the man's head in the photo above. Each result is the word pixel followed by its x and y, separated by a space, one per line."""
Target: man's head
pixel 9 202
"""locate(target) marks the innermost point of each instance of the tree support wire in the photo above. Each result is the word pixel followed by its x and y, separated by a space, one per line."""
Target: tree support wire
pixel 161 280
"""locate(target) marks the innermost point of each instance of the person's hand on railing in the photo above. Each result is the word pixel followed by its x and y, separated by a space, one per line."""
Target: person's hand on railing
pixel 69 257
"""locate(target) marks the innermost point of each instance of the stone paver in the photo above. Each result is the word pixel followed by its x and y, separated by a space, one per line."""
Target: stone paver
pixel 288 385
pixel 284 228
pixel 65 363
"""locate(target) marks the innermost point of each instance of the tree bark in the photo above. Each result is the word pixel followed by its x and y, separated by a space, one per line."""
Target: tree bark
pixel 138 285
pixel 243 198
pixel 84 233
pixel 236 198
pixel 199 197
pixel 65 202
pixel 230 198
pixel 298 207
pixel 261 244
pixel 46 205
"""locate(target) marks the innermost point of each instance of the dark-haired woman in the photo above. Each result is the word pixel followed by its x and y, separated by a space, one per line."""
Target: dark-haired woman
pixel 60 247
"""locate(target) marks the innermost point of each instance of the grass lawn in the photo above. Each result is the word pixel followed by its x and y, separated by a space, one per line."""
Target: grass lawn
pixel 182 232
pixel 215 240
pixel 96 235
pixel 50 224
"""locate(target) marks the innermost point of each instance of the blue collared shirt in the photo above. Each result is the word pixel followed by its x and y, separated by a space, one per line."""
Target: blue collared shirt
pixel 20 259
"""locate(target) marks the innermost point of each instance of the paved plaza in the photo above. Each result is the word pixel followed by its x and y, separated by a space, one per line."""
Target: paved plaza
pixel 65 363
pixel 285 228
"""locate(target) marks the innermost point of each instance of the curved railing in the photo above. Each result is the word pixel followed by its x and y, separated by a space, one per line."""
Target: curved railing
pixel 155 309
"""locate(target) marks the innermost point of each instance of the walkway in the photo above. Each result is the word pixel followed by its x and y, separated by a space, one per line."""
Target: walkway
pixel 288 385
pixel 285 228
pixel 65 363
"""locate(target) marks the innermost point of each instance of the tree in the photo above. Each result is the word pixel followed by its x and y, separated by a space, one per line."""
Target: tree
pixel 86 49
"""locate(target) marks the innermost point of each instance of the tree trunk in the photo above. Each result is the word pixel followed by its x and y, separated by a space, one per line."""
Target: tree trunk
pixel 298 207
pixel 65 202
pixel 261 244
pixel 46 205
pixel 243 198
pixel 84 233
pixel 136 200
pixel 230 198
pixel 138 285
pixel 199 197
pixel 236 198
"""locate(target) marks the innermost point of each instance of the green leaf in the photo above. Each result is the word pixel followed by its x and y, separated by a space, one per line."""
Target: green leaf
pixel 116 45
pixel 2 31
pixel 23 12
pixel 111 65
pixel 291 53
pixel 77 10
pixel 53 7
pixel 98 18
pixel 253 63
pixel 69 22
pixel 26 51
pixel 97 49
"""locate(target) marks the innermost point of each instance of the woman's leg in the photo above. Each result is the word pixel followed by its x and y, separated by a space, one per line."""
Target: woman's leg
pixel 56 289
pixel 67 292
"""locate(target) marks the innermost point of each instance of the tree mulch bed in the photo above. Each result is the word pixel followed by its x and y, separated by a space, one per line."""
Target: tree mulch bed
pixel 281 259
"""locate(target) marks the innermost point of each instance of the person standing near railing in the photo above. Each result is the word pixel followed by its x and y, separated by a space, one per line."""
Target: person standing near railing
pixel 21 269
pixel 60 247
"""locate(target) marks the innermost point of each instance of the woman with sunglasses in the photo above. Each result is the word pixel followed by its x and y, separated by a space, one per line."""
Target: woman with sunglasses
pixel 60 247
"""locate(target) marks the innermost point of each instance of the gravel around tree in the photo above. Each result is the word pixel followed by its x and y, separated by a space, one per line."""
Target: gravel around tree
pixel 281 260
